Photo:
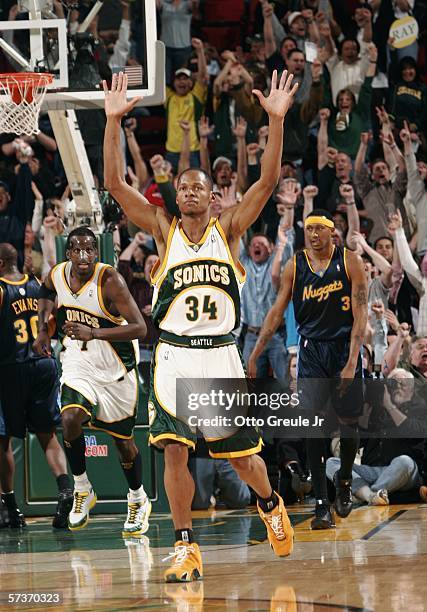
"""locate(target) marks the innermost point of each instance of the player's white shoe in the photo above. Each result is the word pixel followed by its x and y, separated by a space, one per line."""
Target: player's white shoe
pixel 83 502
pixel 137 519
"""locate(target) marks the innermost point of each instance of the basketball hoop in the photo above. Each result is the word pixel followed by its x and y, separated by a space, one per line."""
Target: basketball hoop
pixel 21 97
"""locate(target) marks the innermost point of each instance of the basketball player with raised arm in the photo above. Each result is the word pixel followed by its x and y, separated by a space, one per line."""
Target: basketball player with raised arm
pixel 327 285
pixel 196 304
pixel 98 324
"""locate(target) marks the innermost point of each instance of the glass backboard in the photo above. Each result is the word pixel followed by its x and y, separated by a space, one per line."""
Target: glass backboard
pixel 82 42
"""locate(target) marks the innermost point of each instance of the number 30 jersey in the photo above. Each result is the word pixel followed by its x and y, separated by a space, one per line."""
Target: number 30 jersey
pixel 18 319
pixel 197 287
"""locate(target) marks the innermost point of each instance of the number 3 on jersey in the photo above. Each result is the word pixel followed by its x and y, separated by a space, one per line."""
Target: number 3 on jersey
pixel 345 302
pixel 22 330
pixel 194 311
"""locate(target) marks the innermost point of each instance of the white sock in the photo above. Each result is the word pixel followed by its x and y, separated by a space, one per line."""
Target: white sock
pixel 82 483
pixel 364 493
pixel 138 495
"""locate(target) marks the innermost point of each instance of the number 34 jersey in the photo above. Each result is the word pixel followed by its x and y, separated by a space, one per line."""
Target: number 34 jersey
pixel 197 287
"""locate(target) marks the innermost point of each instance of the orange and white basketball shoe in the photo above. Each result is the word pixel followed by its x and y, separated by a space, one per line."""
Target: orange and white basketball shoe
pixel 279 529
pixel 187 563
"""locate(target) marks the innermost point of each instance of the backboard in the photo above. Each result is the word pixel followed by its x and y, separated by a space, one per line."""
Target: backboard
pixel 78 44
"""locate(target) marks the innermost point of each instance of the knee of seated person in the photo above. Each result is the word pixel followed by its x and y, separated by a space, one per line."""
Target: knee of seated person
pixel 404 461
pixel 332 465
pixel 176 454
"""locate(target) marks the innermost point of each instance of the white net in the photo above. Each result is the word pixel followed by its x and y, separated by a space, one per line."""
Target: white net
pixel 21 97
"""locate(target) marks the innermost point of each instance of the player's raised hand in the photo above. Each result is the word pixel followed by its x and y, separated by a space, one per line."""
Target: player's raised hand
pixel 116 103
pixel 281 96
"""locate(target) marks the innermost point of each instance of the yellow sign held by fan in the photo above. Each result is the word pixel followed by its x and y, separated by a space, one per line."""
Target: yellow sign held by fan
pixel 404 32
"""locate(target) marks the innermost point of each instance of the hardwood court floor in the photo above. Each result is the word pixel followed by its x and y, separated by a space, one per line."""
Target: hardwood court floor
pixel 374 560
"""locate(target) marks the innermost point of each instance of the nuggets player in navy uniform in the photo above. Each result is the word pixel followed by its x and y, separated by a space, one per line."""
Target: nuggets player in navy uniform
pixel 29 387
pixel 328 288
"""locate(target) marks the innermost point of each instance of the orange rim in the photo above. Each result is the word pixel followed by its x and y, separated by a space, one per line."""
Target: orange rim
pixel 14 81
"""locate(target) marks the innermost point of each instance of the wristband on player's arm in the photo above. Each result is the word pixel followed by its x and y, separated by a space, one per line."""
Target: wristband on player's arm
pixel 47 294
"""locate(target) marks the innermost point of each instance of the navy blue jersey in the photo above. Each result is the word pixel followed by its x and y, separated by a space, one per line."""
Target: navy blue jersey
pixel 18 319
pixel 322 301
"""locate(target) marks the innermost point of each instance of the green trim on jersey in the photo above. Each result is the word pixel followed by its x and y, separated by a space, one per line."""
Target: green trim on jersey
pixel 125 352
pixel 72 398
pixel 174 283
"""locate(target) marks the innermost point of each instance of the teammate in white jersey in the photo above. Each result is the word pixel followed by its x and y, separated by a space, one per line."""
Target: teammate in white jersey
pixel 196 305
pixel 98 322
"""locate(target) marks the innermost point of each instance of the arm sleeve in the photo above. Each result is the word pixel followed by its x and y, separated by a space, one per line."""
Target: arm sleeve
pixel 168 193
pixel 408 262
pixel 362 182
pixel 200 92
pixel 416 187
pixel 23 201
pixel 364 101
pixel 278 30
pixel 288 251
pixel 245 106
pixel 122 46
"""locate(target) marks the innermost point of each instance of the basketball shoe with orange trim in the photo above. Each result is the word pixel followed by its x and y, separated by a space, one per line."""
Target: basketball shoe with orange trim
pixel 187 563
pixel 279 529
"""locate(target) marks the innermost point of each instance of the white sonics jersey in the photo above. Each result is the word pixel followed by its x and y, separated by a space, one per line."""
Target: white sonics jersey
pixel 197 287
pixel 99 360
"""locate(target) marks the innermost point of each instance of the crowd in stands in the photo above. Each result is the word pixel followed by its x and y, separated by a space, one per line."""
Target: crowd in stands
pixel 355 144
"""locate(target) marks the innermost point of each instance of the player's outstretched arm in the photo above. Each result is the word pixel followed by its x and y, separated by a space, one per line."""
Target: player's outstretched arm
pixel 276 106
pixel 275 316
pixel 359 305
pixel 135 205
pixel 115 295
pixel 46 304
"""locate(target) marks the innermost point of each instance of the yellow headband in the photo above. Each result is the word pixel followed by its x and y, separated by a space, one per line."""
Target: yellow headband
pixel 319 221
